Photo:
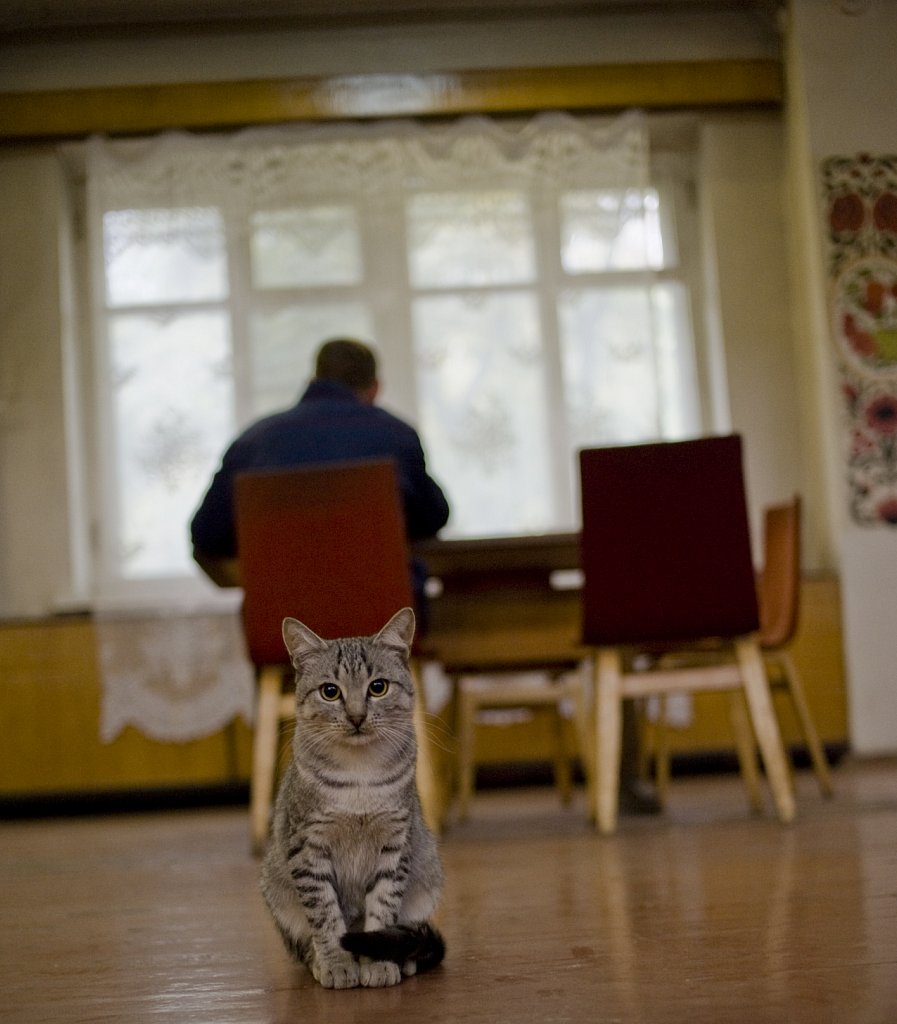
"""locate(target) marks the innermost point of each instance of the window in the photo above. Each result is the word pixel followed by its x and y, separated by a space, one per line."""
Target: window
pixel 522 308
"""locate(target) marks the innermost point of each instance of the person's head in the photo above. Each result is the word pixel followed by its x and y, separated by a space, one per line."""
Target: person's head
pixel 349 362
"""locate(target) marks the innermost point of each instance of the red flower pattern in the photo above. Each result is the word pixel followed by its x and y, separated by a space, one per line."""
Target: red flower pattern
pixel 861 341
pixel 847 213
pixel 881 414
pixel 874 297
pixel 887 511
pixel 884 212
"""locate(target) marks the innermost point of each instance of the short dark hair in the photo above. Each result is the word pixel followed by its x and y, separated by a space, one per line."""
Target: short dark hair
pixel 348 361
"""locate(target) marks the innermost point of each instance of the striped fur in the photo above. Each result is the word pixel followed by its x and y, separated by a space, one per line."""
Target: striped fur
pixel 349 851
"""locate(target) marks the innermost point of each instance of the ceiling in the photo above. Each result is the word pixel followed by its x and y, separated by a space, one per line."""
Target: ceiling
pixel 41 17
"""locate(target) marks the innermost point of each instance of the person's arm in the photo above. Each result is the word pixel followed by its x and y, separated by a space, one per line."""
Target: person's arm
pixel 223 572
pixel 213 530
pixel 426 506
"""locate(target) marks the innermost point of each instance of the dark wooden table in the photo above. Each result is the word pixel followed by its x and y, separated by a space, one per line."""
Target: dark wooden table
pixel 504 602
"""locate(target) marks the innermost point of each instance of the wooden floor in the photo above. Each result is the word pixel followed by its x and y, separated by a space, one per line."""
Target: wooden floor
pixel 703 915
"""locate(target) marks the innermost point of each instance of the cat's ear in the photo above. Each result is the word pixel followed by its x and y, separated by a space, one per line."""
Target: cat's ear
pixel 399 631
pixel 300 640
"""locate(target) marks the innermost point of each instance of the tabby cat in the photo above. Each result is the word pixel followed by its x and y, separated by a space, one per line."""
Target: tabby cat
pixel 352 873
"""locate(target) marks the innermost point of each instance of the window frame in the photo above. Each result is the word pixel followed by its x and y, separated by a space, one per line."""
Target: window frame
pixel 393 334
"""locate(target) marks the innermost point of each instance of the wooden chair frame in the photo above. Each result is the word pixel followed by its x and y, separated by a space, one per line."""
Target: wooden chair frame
pixel 655 585
pixel 745 674
pixel 562 685
pixel 778 588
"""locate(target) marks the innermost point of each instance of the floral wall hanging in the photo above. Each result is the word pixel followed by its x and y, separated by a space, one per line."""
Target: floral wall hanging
pixel 860 195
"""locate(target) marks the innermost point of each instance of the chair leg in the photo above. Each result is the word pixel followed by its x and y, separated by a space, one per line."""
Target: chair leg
pixel 584 741
pixel 264 754
pixel 646 740
pixel 746 749
pixel 802 710
pixel 454 717
pixel 467 713
pixel 608 737
pixel 662 753
pixel 432 799
pixel 563 775
pixel 766 727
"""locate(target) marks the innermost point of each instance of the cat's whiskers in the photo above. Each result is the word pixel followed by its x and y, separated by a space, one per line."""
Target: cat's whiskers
pixel 439 735
pixel 398 735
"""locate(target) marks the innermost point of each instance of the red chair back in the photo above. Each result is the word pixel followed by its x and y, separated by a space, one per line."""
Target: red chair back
pixel 666 551
pixel 323 544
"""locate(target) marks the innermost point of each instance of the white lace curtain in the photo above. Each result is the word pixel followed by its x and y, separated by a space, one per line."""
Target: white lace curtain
pixel 260 169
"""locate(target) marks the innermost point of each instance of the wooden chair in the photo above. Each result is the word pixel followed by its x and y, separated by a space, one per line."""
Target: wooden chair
pixel 666 562
pixel 559 690
pixel 778 594
pixel 778 591
pixel 508 620
pixel 325 545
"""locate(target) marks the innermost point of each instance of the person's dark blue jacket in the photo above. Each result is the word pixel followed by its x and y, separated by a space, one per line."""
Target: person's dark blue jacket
pixel 329 424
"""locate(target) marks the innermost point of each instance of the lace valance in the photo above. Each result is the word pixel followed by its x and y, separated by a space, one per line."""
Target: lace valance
pixel 270 168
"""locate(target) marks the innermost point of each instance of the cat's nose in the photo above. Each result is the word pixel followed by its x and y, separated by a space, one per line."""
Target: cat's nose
pixel 357 721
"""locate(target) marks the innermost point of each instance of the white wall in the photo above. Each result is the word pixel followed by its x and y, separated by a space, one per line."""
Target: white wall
pixel 35 564
pixel 843 94
pixel 742 165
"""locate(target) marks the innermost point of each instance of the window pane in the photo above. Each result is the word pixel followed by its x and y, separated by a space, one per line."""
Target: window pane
pixel 628 374
pixel 284 343
pixel 610 230
pixel 305 248
pixel 457 239
pixel 483 410
pixel 677 375
pixel 164 256
pixel 172 403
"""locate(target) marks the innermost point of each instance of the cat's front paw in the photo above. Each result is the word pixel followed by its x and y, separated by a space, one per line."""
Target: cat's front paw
pixel 337 972
pixel 379 973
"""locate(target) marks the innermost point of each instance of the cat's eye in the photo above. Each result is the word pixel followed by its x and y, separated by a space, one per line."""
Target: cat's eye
pixel 330 691
pixel 378 688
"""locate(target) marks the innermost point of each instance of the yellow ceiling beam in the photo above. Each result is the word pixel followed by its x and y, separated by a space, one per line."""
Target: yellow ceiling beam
pixel 137 109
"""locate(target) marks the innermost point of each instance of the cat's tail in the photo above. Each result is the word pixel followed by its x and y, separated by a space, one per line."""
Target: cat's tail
pixel 421 943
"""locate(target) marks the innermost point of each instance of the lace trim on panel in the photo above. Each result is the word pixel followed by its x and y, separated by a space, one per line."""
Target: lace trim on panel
pixel 175 679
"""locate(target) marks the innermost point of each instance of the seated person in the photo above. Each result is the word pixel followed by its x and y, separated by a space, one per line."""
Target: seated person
pixel 335 420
